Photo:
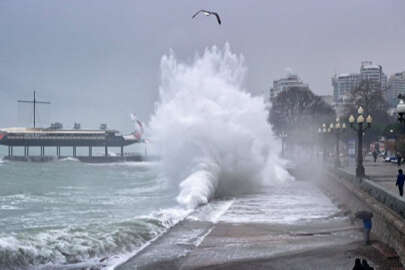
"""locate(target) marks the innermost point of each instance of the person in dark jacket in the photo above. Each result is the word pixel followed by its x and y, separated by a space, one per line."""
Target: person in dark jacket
pixel 400 182
pixel 367 224
pixel 365 265
pixel 366 217
pixel 357 265
pixel 399 159
pixel 375 155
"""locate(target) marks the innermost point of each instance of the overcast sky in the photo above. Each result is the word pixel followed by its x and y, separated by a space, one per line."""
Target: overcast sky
pixel 97 61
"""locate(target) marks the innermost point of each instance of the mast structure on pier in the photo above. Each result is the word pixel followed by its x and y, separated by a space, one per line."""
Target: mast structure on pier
pixel 34 102
pixel 55 136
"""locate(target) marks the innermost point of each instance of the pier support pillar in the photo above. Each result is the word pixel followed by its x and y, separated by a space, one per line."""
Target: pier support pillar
pixel 122 151
pixel 9 151
pixel 74 151
pixel 25 151
pixel 106 151
pixel 12 150
pixel 90 151
pixel 42 151
pixel 58 151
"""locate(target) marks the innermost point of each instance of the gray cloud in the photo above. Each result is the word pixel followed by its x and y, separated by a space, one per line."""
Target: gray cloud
pixel 97 61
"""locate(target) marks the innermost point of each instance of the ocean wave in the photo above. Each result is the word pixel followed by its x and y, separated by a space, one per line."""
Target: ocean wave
pixel 92 244
pixel 20 198
pixel 68 159
pixel 213 136
pixel 140 164
pixel 211 212
pixel 9 207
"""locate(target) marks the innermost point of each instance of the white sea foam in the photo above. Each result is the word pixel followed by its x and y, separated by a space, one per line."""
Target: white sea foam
pixel 213 136
pixel 170 217
pixel 9 207
pixel 211 212
pixel 61 248
pixel 140 164
pixel 69 159
pixel 278 204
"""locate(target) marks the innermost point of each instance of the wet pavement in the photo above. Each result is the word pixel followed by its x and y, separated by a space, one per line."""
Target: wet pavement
pixel 311 234
pixel 331 257
pixel 382 173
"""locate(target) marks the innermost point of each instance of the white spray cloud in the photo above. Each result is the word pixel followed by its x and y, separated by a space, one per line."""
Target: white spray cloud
pixel 213 136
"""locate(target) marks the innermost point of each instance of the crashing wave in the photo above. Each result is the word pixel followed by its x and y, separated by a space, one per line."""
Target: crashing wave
pixel 213 136
pixel 88 245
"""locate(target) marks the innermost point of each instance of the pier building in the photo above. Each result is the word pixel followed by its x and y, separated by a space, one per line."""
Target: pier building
pixel 56 137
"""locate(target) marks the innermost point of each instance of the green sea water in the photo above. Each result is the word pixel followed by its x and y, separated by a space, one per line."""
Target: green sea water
pixel 67 212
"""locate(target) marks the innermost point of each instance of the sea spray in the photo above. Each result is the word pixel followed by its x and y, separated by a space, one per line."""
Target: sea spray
pixel 213 135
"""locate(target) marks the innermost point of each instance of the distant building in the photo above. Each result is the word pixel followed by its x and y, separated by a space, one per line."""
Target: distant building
pixel 395 86
pixel 328 99
pixel 343 84
pixel 56 125
pixel 369 71
pixel 292 80
pixel 77 126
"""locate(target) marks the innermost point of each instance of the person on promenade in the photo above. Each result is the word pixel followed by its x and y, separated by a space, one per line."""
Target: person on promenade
pixel 365 265
pixel 375 154
pixel 357 265
pixel 366 217
pixel 399 159
pixel 400 182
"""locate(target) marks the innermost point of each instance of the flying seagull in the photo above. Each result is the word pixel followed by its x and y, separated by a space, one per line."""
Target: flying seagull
pixel 208 13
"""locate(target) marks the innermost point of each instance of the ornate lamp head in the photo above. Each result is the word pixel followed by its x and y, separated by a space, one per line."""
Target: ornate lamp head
pixel 351 119
pixel 369 119
pixel 401 108
pixel 360 119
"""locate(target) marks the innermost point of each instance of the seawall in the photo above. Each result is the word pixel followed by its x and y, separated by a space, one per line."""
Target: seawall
pixel 362 194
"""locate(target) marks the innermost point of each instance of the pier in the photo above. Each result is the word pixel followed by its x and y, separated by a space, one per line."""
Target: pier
pixel 45 144
pixel 43 157
pixel 49 142
pixel 55 137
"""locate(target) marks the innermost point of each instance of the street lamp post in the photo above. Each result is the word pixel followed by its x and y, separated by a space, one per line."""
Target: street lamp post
pixel 401 118
pixel 283 136
pixel 337 129
pixel 401 109
pixel 360 130
pixel 323 131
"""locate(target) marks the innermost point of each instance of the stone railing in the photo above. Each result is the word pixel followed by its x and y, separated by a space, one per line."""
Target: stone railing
pixel 362 194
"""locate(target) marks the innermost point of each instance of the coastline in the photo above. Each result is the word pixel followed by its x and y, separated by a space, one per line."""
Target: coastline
pixel 331 242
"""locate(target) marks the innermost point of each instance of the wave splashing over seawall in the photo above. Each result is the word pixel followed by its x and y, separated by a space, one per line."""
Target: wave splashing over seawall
pixel 213 136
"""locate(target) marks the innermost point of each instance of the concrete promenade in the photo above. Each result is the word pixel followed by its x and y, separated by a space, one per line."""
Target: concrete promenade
pixel 325 243
pixel 377 193
pixel 381 173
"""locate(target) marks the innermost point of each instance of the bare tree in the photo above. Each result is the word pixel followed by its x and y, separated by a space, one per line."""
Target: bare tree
pixel 299 113
pixel 369 95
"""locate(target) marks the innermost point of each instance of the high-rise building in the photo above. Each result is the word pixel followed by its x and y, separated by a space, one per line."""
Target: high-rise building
pixel 344 83
pixel 292 80
pixel 371 72
pixel 395 86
